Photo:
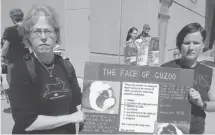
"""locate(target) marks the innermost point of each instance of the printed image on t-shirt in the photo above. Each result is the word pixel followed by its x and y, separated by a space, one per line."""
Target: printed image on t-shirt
pixel 59 89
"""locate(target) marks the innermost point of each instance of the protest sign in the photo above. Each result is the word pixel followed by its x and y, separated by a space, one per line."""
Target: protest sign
pixel 135 99
pixel 130 53
pixel 153 52
pixel 143 47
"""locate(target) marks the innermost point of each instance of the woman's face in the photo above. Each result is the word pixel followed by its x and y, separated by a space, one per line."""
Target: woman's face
pixel 147 30
pixel 192 46
pixel 42 36
pixel 134 35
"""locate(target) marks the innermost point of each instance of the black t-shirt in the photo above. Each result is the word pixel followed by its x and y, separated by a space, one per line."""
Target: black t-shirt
pixel 16 48
pixel 50 96
pixel 202 83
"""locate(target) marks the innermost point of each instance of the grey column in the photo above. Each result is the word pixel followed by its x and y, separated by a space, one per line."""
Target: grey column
pixel 163 17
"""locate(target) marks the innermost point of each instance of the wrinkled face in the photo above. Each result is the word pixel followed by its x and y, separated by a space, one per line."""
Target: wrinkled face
pixel 192 46
pixel 146 30
pixel 42 36
pixel 133 34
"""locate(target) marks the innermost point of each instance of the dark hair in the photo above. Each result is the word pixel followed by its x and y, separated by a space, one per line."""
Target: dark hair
pixel 16 14
pixel 188 29
pixel 129 32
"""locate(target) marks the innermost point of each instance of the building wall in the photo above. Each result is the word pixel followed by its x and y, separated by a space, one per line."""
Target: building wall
pixel 137 13
pixel 210 23
pixel 96 29
pixel 110 22
pixel 182 12
pixel 77 30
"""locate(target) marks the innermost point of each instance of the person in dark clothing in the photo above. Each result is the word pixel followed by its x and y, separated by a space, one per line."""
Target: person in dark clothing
pixel 13 48
pixel 190 42
pixel 44 93
pixel 145 32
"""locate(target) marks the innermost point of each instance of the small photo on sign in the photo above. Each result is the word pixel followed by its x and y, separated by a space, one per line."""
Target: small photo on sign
pixel 154 44
pixel 100 96
pixel 172 128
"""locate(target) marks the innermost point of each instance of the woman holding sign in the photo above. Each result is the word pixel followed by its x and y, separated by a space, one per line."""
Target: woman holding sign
pixel 130 49
pixel 190 42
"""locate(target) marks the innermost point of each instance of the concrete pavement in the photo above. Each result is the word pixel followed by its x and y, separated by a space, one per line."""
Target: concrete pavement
pixel 6 119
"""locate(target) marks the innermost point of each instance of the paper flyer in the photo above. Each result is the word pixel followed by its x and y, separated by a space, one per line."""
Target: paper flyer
pixel 123 99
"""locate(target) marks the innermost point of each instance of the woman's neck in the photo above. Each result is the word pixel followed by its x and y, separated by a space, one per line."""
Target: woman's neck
pixel 46 58
pixel 189 63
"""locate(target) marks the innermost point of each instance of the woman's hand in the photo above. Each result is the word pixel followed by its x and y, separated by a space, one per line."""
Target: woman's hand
pixel 77 117
pixel 133 59
pixel 195 97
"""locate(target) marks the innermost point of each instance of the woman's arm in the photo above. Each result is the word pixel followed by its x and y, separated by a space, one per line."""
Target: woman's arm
pixel 211 94
pixel 49 122
pixel 196 98
pixel 5 48
pixel 126 51
pixel 6 42
pixel 26 117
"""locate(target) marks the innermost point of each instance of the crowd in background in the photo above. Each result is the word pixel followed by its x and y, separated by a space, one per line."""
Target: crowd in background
pixel 138 47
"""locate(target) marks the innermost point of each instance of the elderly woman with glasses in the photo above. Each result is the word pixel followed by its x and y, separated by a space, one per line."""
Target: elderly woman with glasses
pixel 44 93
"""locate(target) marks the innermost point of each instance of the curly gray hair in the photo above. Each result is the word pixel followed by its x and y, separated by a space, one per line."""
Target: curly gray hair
pixel 41 10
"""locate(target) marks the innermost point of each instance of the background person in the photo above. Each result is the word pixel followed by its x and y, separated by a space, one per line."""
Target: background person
pixel 130 48
pixel 190 42
pixel 145 32
pixel 13 48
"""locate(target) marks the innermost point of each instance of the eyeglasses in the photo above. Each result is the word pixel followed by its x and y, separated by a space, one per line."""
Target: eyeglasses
pixel 38 32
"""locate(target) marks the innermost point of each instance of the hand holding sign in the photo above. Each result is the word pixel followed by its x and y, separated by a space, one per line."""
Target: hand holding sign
pixel 195 97
pixel 133 59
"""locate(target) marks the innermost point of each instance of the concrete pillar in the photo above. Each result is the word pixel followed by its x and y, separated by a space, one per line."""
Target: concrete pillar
pixel 208 21
pixel 163 17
